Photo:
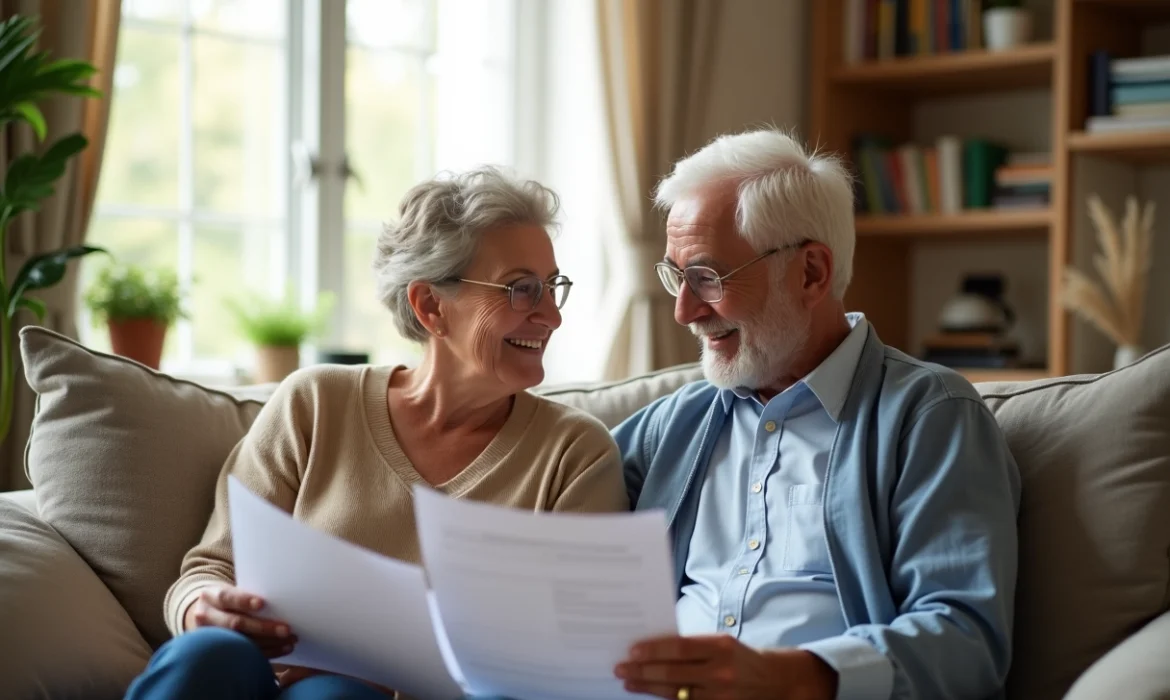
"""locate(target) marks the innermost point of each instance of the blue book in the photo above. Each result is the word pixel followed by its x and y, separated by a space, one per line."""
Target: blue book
pixel 1099 70
pixel 1139 93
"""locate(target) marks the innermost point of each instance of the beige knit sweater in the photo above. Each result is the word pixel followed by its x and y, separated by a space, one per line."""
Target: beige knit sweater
pixel 323 449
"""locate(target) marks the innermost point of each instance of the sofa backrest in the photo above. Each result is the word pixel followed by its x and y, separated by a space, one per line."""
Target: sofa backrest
pixel 124 461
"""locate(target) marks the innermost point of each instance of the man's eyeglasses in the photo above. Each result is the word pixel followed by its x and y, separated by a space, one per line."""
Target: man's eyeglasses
pixel 706 284
pixel 525 293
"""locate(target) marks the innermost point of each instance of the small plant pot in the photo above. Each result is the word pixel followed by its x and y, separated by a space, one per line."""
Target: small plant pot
pixel 274 363
pixel 1006 28
pixel 138 339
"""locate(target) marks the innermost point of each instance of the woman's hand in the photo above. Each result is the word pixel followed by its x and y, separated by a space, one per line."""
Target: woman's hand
pixel 233 609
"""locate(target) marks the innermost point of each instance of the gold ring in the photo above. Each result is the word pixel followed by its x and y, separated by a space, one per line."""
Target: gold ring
pixel 684 693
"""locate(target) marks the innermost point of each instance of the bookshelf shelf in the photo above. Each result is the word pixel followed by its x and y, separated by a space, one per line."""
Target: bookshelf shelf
pixel 966 224
pixel 1004 375
pixel 1136 10
pixel 1144 147
pixel 954 73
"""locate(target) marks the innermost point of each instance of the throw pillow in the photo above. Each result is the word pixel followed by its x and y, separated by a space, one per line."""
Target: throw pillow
pixel 64 635
pixel 124 461
pixel 1094 458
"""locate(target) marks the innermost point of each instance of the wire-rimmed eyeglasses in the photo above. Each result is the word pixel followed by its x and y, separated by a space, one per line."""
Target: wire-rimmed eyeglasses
pixel 705 283
pixel 525 293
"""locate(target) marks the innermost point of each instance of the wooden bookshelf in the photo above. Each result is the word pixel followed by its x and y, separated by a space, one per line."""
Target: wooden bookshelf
pixel 880 96
pixel 1004 375
pixel 953 73
pixel 1141 147
pixel 974 223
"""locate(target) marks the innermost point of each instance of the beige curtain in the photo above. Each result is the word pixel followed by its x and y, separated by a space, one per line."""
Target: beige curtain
pixel 657 61
pixel 79 29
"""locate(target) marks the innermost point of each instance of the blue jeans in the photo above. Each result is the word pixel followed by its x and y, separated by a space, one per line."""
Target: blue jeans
pixel 217 663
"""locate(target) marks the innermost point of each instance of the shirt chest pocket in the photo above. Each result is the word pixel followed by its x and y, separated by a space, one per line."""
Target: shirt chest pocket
pixel 805 548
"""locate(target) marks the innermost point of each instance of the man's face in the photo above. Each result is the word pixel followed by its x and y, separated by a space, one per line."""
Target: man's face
pixel 750 336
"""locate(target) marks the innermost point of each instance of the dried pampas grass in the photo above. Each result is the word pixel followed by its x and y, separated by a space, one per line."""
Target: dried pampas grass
pixel 1117 305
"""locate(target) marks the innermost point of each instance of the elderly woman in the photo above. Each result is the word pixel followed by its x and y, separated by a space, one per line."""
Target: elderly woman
pixel 469 272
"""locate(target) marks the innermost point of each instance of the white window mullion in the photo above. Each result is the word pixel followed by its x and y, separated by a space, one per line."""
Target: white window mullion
pixel 186 232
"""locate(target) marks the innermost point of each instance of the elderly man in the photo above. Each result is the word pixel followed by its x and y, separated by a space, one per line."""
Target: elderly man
pixel 843 515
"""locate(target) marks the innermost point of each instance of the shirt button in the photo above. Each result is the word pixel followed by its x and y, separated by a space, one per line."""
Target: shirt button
pixel 757 487
pixel 770 426
pixel 743 572
pixel 753 544
pixel 729 621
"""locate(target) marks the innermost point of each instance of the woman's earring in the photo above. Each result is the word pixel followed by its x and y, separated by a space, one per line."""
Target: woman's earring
pixel 440 332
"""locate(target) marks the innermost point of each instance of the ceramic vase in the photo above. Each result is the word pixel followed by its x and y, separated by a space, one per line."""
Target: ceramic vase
pixel 1127 355
pixel 1006 28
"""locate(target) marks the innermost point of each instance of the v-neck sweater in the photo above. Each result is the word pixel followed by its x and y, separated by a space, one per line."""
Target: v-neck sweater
pixel 323 449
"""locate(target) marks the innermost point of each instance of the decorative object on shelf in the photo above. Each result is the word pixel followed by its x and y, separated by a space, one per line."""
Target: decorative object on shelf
pixel 1116 306
pixel 1006 24
pixel 973 327
pixel 27 78
pixel 138 305
pixel 278 328
pixel 979 307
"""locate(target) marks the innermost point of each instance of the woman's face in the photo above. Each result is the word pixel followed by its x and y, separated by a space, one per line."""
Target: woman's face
pixel 502 344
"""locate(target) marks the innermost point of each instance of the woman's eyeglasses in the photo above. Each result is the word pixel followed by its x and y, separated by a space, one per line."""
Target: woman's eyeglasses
pixel 525 293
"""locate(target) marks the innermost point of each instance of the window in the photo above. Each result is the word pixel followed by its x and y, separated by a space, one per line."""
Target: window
pixel 258 145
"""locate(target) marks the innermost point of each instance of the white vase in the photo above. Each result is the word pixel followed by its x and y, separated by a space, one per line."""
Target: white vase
pixel 1127 355
pixel 1006 28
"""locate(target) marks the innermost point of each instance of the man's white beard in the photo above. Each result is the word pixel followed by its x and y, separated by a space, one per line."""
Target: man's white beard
pixel 767 345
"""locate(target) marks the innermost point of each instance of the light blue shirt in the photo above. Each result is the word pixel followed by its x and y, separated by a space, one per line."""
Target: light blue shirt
pixel 758 566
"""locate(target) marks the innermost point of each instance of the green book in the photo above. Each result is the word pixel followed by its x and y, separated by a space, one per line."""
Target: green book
pixel 980 160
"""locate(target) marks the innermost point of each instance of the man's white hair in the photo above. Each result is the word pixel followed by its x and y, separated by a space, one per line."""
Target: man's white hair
pixel 785 196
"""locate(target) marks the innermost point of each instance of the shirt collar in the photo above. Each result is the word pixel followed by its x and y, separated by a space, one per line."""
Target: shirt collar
pixel 830 380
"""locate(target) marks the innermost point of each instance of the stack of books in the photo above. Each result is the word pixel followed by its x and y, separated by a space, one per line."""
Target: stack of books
pixel 881 29
pixel 971 350
pixel 946 177
pixel 1023 182
pixel 1128 94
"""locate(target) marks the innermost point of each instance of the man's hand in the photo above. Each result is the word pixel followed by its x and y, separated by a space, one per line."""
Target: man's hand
pixel 719 667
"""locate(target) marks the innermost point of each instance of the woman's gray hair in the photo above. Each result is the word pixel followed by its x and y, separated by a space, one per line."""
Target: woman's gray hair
pixel 439 228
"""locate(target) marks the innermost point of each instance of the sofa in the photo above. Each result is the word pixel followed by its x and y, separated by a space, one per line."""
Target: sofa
pixel 123 461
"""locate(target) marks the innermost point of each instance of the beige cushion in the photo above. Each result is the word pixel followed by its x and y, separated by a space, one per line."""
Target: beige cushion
pixel 1138 669
pixel 124 461
pixel 614 401
pixel 62 635
pixel 1094 457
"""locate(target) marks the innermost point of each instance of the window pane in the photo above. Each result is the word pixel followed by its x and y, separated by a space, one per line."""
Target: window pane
pixel 239 126
pixel 230 262
pixel 367 325
pixel 154 10
pixel 388 142
pixel 259 18
pixel 151 243
pixel 391 23
pixel 142 163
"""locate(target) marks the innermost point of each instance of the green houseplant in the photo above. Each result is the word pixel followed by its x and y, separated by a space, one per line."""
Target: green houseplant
pixel 138 305
pixel 28 77
pixel 278 328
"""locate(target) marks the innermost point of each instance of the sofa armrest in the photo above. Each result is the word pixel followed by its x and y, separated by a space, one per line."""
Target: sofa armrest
pixel 1136 669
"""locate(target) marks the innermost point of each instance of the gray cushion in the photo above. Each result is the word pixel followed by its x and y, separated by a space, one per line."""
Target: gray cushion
pixel 124 461
pixel 62 634
pixel 1094 458
pixel 1138 669
pixel 614 401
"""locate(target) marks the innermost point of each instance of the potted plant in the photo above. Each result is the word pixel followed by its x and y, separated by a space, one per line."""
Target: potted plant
pixel 137 305
pixel 277 328
pixel 1006 24
pixel 29 77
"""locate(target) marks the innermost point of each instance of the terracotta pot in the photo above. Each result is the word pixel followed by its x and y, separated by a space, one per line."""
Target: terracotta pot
pixel 139 339
pixel 274 363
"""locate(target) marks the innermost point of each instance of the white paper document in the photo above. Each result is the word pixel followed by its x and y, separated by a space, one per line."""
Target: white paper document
pixel 354 612
pixel 539 606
